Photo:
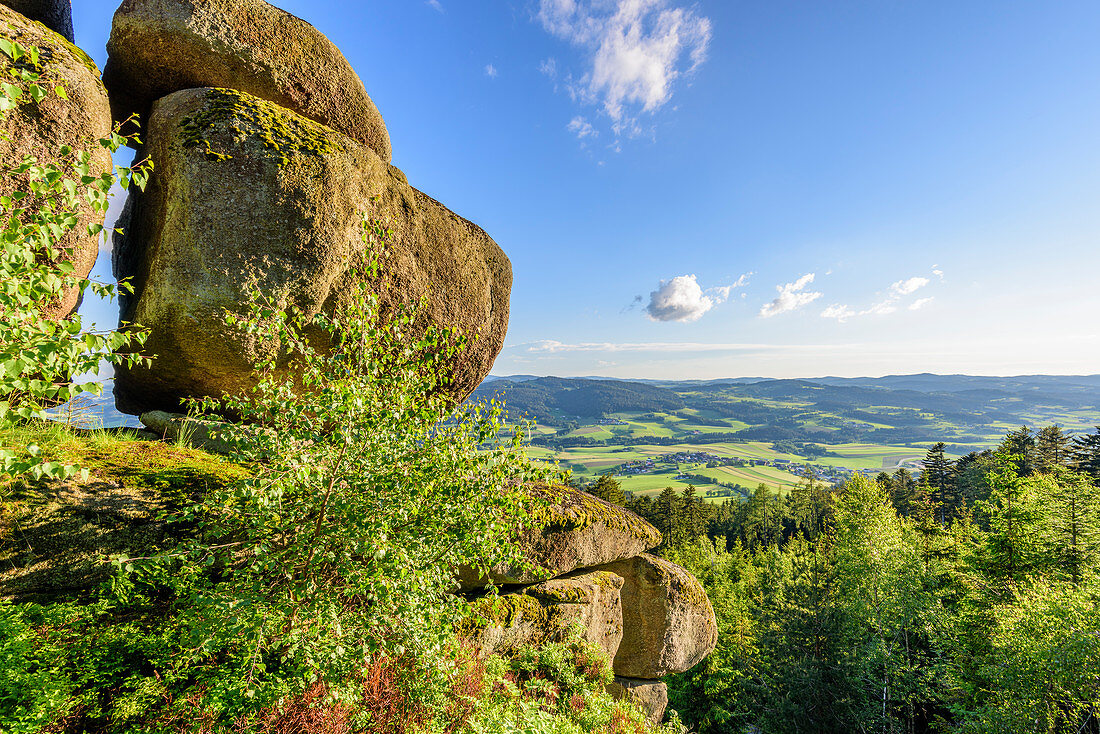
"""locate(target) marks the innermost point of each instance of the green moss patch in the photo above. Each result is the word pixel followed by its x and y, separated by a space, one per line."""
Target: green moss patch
pixel 278 130
pixel 568 509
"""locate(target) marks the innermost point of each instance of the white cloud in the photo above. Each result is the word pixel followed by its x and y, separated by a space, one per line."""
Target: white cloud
pixel 435 5
pixel 679 299
pixel 582 128
pixel 491 71
pixel 920 303
pixel 792 296
pixel 637 50
pixel 551 346
pixel 683 299
pixel 888 305
pixel 905 287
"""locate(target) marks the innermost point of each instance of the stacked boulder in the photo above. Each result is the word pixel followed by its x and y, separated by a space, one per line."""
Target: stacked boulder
pixel 268 153
pixel 77 120
pixel 589 568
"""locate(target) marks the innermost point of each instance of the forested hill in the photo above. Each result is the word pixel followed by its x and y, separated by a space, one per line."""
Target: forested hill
pixel 547 397
pixel 902 408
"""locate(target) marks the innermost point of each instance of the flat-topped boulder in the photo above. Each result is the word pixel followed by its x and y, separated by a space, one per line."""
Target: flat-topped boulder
pixel 42 129
pixel 546 612
pixel 573 530
pixel 158 47
pixel 248 195
pixel 668 621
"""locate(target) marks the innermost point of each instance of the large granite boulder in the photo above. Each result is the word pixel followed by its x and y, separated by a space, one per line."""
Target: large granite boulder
pixel 668 621
pixel 572 530
pixel 546 612
pixel 246 193
pixel 162 46
pixel 41 130
pixel 650 695
pixel 57 15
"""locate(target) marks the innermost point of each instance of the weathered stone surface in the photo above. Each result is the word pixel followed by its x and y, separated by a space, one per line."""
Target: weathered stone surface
pixel 57 15
pixel 668 621
pixel 651 695
pixel 245 192
pixel 574 530
pixel 41 130
pixel 545 612
pixel 162 46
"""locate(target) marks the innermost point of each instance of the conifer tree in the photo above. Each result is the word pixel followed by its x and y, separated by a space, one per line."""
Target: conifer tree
pixel 607 488
pixel 1052 448
pixel 938 481
pixel 1020 445
pixel 1086 455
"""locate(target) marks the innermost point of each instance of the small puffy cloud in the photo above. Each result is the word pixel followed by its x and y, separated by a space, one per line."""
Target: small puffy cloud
pixel 435 5
pixel 679 299
pixel 792 296
pixel 637 50
pixel 549 68
pixel 920 303
pixel 582 128
pixel 491 71
pixel 683 299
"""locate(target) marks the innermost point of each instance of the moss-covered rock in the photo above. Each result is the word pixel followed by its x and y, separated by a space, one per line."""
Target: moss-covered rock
pixel 573 530
pixel 650 695
pixel 162 46
pixel 246 195
pixel 668 621
pixel 546 612
pixel 56 538
pixel 57 15
pixel 41 130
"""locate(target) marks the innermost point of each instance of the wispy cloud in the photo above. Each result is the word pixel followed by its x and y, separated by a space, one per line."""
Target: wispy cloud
pixel 435 5
pixel 636 51
pixel 792 296
pixel 683 299
pixel 888 304
pixel 582 128
pixel 551 346
pixel 921 303
pixel 491 71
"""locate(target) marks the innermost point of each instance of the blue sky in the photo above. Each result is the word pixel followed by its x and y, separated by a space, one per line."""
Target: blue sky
pixel 771 188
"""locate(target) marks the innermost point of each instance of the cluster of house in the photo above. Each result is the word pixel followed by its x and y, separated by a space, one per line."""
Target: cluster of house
pixel 610 422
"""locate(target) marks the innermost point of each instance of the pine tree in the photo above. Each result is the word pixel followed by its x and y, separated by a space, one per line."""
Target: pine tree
pixel 1052 448
pixel 1086 455
pixel 608 489
pixel 1020 446
pixel 668 518
pixel 938 481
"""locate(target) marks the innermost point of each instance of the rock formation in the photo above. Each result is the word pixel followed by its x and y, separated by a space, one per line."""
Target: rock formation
pixel 57 15
pixel 667 624
pixel 293 228
pixel 546 611
pixel 41 130
pixel 162 46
